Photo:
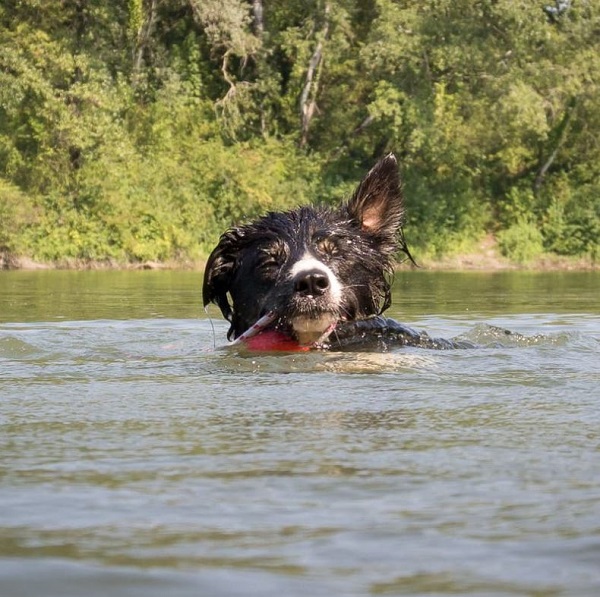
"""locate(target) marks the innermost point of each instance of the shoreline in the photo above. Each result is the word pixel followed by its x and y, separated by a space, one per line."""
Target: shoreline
pixel 484 257
pixel 469 262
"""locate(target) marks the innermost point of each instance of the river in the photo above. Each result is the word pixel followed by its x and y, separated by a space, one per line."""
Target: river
pixel 138 457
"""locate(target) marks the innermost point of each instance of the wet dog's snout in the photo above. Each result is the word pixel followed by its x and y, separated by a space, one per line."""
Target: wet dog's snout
pixel 311 283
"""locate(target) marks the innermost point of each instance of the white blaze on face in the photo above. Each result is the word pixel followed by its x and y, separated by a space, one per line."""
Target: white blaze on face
pixel 309 329
pixel 310 264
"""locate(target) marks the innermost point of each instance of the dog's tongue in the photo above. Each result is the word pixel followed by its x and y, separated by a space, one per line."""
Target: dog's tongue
pixel 273 340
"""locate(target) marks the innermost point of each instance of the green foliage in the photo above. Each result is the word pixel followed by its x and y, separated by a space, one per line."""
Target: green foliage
pixel 141 130
pixel 572 221
pixel 15 208
pixel 443 218
pixel 522 242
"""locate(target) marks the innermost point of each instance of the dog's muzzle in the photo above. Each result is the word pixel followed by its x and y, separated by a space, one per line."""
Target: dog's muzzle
pixel 315 301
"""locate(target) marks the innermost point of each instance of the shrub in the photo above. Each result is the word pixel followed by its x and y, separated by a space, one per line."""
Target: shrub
pixel 522 242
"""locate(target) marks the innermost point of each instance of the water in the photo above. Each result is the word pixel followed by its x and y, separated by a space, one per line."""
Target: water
pixel 135 459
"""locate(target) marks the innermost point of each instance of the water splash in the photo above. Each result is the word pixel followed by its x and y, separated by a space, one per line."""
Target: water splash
pixel 491 336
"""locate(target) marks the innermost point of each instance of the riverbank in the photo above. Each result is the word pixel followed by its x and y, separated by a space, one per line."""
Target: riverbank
pixel 485 256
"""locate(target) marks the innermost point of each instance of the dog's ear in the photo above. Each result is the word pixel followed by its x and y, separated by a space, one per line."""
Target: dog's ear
pixel 218 275
pixel 377 205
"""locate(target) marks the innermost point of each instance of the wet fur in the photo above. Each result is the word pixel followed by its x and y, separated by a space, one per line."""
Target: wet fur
pixel 251 271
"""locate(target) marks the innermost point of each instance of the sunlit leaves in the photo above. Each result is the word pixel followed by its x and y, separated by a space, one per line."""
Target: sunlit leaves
pixel 141 129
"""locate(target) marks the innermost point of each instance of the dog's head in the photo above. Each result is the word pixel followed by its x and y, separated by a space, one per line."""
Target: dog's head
pixel 313 266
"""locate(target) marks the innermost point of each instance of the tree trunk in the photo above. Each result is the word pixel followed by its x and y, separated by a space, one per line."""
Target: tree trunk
pixel 308 97
pixel 257 9
pixel 143 37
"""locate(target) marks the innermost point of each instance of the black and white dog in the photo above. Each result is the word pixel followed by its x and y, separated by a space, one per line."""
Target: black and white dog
pixel 318 276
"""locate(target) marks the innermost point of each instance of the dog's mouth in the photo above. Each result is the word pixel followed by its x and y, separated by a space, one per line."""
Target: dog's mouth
pixel 307 319
pixel 313 330
pixel 307 331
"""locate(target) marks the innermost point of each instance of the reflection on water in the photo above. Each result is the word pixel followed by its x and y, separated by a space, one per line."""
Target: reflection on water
pixel 73 295
pixel 138 459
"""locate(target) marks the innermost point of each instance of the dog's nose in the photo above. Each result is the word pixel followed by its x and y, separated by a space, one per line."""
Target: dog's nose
pixel 311 283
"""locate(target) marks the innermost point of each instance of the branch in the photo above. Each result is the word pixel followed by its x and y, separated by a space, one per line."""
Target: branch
pixel 561 135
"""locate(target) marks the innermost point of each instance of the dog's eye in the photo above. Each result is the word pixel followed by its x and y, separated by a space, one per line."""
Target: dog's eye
pixel 327 246
pixel 271 258
pixel 269 262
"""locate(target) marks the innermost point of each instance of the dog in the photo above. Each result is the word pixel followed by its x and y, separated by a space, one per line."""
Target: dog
pixel 317 277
